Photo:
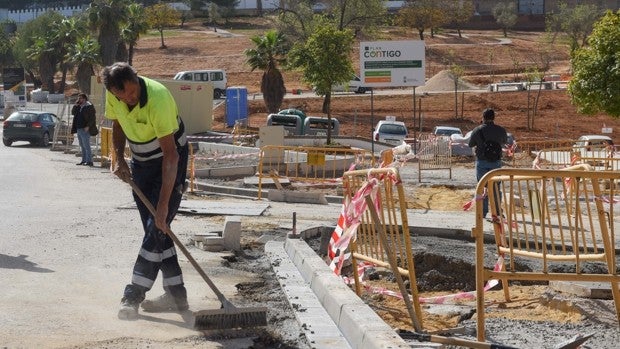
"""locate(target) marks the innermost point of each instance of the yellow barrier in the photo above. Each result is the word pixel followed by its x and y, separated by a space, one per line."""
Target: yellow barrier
pixel 243 135
pixel 106 146
pixel 525 151
pixel 560 219
pixel 309 164
pixel 369 245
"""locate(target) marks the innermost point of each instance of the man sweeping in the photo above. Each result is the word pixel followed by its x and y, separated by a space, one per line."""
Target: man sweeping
pixel 145 116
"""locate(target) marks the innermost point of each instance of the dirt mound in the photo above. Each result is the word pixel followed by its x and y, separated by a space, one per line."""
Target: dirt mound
pixel 444 81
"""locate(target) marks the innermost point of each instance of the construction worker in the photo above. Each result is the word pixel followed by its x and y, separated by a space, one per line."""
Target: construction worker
pixel 145 115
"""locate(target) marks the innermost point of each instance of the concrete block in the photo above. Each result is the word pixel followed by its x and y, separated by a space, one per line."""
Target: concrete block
pixel 357 320
pixel 299 197
pixel 384 340
pixel 232 233
pixel 584 289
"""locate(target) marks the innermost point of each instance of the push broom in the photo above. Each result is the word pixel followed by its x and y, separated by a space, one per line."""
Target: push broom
pixel 228 316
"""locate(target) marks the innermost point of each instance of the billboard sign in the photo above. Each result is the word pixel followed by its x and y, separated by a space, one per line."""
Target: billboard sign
pixel 392 63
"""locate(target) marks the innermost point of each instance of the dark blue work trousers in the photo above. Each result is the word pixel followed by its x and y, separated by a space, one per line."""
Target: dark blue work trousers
pixel 157 251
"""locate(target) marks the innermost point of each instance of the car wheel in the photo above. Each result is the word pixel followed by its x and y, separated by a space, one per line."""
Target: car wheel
pixel 7 142
pixel 217 94
pixel 45 140
pixel 361 90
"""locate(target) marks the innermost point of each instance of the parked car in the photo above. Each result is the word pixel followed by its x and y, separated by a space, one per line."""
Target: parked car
pixel 390 131
pixel 36 127
pixel 447 131
pixel 594 146
pixel 354 85
pixel 591 142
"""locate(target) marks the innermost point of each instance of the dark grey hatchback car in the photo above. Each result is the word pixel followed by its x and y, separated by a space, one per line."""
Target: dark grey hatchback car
pixel 36 127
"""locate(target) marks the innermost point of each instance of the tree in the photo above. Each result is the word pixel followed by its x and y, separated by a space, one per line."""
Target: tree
pixel 596 69
pixel 297 20
pixel 7 41
pixel 533 75
pixel 226 7
pixel 269 53
pixel 161 16
pixel 576 22
pixel 421 15
pixel 84 55
pixel 136 25
pixel 325 60
pixel 66 33
pixel 505 14
pixel 456 71
pixel 105 18
pixel 358 15
pixel 38 40
pixel 459 13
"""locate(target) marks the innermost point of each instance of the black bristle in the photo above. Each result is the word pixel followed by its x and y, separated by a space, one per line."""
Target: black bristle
pixel 230 318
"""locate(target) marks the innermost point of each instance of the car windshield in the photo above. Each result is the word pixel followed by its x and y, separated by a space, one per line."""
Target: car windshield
pixel 446 132
pixel 393 129
pixel 22 117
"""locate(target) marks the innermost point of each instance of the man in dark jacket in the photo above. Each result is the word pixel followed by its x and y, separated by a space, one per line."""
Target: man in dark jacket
pixel 487 132
pixel 85 125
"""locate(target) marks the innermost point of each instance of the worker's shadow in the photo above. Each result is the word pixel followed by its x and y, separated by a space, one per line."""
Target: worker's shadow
pixel 20 262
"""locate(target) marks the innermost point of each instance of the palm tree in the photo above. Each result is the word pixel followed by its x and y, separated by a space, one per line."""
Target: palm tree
pixel 84 54
pixel 106 17
pixel 66 33
pixel 135 26
pixel 270 51
pixel 42 51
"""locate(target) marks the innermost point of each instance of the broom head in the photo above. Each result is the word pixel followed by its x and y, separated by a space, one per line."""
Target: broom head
pixel 230 318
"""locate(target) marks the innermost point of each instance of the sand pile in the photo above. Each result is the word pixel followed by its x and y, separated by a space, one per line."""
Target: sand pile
pixel 444 81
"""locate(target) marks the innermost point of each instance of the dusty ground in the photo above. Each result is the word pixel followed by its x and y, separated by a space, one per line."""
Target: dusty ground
pixel 198 48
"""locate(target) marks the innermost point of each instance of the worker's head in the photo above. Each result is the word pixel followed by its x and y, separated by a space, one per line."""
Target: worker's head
pixel 488 114
pixel 122 81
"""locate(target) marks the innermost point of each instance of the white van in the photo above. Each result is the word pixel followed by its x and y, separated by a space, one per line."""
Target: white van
pixel 217 77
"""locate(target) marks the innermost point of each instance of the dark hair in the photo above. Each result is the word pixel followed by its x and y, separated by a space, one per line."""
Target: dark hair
pixel 115 75
pixel 83 95
pixel 488 114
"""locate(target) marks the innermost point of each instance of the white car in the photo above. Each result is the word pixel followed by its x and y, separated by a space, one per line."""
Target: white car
pixel 589 142
pixel 447 131
pixel 390 132
pixel 354 85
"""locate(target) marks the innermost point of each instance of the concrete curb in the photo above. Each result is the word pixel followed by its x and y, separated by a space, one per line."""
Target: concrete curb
pixel 321 332
pixel 357 322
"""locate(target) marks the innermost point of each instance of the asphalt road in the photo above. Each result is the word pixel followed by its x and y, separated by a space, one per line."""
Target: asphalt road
pixel 67 246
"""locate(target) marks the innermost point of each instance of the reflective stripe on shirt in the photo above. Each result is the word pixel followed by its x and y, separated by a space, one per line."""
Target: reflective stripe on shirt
pixel 150 150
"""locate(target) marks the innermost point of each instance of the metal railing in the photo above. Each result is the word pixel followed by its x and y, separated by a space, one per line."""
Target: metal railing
pixel 309 164
pixel 561 221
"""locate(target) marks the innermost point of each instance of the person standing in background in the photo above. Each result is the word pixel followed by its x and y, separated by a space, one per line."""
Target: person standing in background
pixel 489 139
pixel 85 125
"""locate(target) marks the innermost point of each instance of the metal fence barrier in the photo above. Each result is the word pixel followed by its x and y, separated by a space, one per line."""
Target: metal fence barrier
pixel 562 221
pixel 435 153
pixel 369 245
pixel 309 164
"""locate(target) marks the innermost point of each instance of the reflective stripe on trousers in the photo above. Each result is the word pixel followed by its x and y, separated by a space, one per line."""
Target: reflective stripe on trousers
pixel 157 251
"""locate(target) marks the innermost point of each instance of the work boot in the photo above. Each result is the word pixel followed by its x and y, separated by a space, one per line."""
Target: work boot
pixel 128 310
pixel 165 303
